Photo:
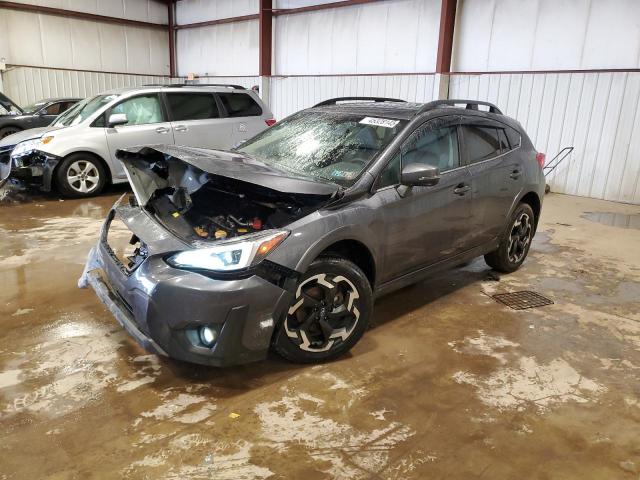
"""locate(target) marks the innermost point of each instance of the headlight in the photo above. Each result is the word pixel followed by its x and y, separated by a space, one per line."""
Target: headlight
pixel 24 147
pixel 230 255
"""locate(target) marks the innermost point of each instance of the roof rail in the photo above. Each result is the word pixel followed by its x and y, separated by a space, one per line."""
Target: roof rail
pixel 333 101
pixel 470 105
pixel 179 85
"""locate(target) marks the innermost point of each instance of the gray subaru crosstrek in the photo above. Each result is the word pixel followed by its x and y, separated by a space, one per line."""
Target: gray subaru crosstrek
pixel 285 242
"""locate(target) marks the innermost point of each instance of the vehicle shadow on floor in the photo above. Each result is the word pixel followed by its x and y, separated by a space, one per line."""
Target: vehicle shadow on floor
pixel 237 380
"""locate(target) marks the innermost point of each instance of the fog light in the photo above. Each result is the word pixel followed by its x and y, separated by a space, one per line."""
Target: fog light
pixel 207 335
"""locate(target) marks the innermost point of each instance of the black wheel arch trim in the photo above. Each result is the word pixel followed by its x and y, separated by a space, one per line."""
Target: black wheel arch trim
pixel 324 244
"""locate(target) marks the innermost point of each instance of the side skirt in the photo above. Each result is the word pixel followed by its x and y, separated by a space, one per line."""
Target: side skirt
pixel 421 273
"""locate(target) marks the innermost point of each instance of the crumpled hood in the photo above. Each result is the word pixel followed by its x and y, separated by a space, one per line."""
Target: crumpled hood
pixel 150 168
pixel 29 134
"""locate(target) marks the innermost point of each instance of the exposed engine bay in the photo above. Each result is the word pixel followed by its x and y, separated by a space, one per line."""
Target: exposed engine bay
pixel 222 209
pixel 204 205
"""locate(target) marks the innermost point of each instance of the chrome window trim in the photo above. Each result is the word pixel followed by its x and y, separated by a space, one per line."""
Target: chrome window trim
pixel 492 158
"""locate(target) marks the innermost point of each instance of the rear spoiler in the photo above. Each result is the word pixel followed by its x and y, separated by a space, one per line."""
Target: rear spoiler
pixel 7 103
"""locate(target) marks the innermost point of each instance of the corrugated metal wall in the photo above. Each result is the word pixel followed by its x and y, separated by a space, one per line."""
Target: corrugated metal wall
pixel 394 36
pixel 25 84
pixel 227 49
pixel 290 94
pixel 195 11
pixel 596 113
pixel 142 10
pixel 499 35
pixel 50 41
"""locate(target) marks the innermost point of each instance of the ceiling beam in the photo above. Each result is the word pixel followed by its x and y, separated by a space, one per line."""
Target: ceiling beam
pixel 59 12
pixel 323 6
pixel 276 12
pixel 218 21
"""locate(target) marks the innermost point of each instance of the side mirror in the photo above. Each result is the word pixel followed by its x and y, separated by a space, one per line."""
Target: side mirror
pixel 116 119
pixel 416 174
pixel 42 112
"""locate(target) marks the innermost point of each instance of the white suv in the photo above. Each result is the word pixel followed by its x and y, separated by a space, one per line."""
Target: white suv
pixel 76 153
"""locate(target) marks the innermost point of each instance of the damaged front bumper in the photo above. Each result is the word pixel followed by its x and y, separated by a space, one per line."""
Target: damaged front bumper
pixel 162 307
pixel 5 164
pixel 34 167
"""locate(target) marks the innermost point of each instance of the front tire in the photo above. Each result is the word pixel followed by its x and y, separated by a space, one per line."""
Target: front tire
pixel 6 131
pixel 330 312
pixel 80 175
pixel 515 243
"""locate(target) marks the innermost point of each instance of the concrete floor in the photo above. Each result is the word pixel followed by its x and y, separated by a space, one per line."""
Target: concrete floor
pixel 447 383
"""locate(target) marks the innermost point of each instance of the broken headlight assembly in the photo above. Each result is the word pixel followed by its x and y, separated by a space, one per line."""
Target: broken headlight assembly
pixel 25 147
pixel 229 256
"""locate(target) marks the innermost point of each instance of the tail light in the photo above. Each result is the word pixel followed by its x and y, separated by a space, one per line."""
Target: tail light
pixel 270 122
pixel 540 158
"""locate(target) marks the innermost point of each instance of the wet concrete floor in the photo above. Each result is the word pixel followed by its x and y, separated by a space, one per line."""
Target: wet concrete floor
pixel 447 383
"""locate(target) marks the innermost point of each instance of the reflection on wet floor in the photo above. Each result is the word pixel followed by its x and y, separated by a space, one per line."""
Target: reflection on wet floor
pixel 446 383
pixel 619 220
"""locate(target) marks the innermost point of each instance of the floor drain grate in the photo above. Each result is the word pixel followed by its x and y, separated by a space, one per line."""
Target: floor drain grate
pixel 522 300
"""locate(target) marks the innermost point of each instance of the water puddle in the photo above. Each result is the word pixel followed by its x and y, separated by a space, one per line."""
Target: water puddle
pixel 619 220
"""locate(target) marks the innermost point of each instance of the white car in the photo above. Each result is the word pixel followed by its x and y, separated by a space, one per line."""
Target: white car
pixel 76 153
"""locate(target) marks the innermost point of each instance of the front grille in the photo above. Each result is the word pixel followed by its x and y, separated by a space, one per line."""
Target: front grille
pixel 128 255
pixel 522 300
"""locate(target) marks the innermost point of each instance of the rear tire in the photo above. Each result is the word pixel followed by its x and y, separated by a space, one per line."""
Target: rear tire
pixel 515 243
pixel 80 175
pixel 329 314
pixel 6 131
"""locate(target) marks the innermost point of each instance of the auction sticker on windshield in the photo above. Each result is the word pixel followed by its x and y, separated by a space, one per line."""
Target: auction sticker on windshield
pixel 380 122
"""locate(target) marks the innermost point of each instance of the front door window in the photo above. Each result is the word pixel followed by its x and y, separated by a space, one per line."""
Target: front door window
pixel 140 110
pixel 433 145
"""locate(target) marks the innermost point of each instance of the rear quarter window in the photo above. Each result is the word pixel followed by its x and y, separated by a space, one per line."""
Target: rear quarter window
pixel 240 105
pixel 482 143
pixel 513 136
pixel 504 144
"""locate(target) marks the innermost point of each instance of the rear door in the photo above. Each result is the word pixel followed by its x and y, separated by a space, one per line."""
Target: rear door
pixel 147 125
pixel 424 225
pixel 496 175
pixel 244 113
pixel 197 121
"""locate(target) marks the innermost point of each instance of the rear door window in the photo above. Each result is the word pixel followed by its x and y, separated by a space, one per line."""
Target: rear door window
pixel 482 143
pixel 192 106
pixel 240 105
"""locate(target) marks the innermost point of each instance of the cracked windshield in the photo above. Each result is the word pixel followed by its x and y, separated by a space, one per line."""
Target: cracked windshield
pixel 322 145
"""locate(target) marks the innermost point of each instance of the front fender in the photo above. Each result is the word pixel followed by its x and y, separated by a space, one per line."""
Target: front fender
pixel 314 234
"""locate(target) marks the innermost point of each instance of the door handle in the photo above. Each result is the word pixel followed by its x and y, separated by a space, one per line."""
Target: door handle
pixel 516 174
pixel 162 130
pixel 461 189
pixel 181 128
